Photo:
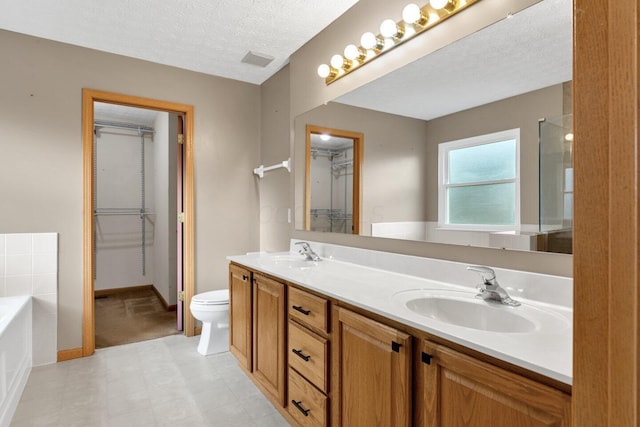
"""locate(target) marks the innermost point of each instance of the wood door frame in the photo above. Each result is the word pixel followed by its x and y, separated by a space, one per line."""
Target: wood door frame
pixel 358 144
pixel 606 356
pixel 89 96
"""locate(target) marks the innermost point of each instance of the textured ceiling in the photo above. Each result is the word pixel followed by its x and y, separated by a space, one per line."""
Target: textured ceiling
pixel 528 51
pixel 209 36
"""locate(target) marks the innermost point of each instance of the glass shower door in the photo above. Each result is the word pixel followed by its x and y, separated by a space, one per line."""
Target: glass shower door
pixel 556 182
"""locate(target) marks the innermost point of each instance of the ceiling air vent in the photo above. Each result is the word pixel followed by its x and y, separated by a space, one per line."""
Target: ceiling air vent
pixel 259 59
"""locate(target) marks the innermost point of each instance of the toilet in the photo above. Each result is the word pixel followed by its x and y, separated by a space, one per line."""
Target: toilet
pixel 212 309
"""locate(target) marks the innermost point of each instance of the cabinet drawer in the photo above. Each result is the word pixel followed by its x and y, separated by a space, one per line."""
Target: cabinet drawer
pixel 308 354
pixel 309 309
pixel 306 404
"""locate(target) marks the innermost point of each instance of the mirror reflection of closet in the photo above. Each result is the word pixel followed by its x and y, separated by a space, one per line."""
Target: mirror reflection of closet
pixel 332 190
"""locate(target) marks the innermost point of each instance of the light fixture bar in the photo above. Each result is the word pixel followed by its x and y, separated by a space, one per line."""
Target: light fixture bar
pixel 373 46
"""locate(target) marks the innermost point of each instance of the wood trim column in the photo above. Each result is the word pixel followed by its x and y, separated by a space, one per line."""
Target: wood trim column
pixel 606 229
pixel 88 316
pixel 189 233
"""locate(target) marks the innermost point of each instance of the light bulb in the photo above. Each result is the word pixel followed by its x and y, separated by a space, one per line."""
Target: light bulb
pixel 324 71
pixel 411 13
pixel 568 137
pixel 439 4
pixel 337 61
pixel 388 28
pixel 353 52
pixel 369 41
pixel 325 136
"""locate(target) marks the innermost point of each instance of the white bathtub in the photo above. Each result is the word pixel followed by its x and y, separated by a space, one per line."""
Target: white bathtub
pixel 15 353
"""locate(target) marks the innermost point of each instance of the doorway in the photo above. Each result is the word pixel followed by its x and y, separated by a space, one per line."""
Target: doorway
pixel 332 190
pixel 119 208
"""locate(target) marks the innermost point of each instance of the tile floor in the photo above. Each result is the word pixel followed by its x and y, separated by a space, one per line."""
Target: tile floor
pixel 162 382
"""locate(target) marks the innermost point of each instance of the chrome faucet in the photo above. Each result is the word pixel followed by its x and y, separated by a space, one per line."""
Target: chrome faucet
pixel 308 252
pixel 490 290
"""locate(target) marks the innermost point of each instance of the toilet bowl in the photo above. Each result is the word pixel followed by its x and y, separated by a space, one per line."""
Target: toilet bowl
pixel 212 309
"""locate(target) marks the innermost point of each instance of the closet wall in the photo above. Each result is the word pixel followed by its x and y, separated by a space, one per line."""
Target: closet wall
pixel 120 259
pixel 164 242
pixel 331 198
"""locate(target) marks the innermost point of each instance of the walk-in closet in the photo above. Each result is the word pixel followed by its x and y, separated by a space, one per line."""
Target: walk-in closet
pixel 135 201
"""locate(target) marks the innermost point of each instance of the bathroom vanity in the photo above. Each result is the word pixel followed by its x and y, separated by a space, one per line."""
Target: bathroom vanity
pixel 371 338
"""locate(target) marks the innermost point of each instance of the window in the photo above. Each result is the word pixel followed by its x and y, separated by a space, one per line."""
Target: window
pixel 479 182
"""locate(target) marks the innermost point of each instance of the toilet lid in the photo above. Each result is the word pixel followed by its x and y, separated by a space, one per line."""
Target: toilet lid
pixel 212 297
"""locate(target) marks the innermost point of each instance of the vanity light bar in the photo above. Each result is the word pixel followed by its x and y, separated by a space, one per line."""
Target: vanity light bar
pixel 415 20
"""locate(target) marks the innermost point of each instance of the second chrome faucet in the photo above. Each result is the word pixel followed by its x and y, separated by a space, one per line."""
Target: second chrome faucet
pixel 490 289
pixel 307 251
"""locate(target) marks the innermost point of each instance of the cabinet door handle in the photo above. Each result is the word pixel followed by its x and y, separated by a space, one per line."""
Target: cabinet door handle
pixel 426 358
pixel 300 408
pixel 245 277
pixel 300 355
pixel 301 310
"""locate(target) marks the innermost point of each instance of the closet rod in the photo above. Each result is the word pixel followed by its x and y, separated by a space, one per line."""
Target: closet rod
pixel 123 213
pixel 127 126
pixel 329 151
pixel 117 209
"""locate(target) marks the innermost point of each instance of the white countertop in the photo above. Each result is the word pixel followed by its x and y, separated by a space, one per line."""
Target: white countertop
pixel 547 351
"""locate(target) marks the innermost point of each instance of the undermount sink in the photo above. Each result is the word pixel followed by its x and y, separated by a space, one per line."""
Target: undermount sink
pixel 462 308
pixel 292 261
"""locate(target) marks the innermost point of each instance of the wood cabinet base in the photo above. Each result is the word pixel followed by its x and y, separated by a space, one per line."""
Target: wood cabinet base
pixel 453 389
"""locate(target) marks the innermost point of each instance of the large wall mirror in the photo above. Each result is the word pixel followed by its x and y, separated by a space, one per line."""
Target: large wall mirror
pixel 513 76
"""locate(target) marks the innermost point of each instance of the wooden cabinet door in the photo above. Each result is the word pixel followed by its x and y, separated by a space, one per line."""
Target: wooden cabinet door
pixel 453 390
pixel 240 315
pixel 373 372
pixel 269 340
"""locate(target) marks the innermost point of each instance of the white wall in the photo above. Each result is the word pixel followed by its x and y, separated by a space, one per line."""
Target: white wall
pixel 165 261
pixel 29 266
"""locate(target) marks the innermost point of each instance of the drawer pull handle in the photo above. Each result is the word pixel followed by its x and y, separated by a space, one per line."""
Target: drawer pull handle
pixel 301 310
pixel 300 408
pixel 300 355
pixel 245 277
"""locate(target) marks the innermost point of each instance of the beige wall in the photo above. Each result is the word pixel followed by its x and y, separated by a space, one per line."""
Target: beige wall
pixel 41 160
pixel 308 91
pixel 275 136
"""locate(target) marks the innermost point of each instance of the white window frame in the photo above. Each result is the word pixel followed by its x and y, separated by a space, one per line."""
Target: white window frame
pixel 443 176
